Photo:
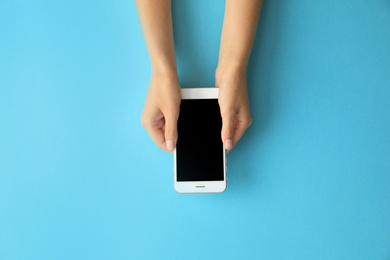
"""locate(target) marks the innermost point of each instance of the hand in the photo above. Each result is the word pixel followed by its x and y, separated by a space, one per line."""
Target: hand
pixel 161 110
pixel 234 105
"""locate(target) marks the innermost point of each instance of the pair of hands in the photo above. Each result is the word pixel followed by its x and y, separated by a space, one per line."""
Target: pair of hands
pixel 162 108
pixel 163 101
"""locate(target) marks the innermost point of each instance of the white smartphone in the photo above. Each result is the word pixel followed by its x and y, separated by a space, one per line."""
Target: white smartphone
pixel 199 156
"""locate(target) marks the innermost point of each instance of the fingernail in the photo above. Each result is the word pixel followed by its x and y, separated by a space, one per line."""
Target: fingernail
pixel 228 144
pixel 170 145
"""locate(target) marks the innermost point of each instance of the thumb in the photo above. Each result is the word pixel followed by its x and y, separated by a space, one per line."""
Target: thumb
pixel 171 130
pixel 228 130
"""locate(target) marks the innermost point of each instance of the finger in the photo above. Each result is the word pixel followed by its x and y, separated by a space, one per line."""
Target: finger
pixel 156 132
pixel 171 129
pixel 241 126
pixel 158 137
pixel 227 132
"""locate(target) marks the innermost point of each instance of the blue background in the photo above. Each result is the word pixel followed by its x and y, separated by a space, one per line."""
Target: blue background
pixel 81 179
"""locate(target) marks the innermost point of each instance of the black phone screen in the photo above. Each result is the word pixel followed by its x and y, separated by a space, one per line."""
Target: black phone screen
pixel 199 148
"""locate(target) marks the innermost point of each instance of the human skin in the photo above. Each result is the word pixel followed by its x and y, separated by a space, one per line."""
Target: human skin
pixel 238 32
pixel 162 104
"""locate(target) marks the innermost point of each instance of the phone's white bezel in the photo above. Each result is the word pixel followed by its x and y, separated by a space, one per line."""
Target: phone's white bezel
pixel 200 186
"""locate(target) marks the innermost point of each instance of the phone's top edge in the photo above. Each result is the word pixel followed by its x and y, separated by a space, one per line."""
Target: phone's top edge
pixel 199 93
pixel 200 87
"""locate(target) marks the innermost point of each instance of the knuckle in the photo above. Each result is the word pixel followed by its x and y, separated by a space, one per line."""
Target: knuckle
pixel 144 121
pixel 248 121
pixel 227 131
pixel 171 113
pixel 227 112
pixel 169 133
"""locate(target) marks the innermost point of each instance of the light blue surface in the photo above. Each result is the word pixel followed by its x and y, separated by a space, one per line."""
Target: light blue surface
pixel 81 179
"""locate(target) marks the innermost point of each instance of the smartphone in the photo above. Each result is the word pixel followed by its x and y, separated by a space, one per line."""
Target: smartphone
pixel 199 156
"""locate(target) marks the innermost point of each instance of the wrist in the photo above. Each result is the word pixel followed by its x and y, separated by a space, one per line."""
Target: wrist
pixel 232 60
pixel 229 71
pixel 164 70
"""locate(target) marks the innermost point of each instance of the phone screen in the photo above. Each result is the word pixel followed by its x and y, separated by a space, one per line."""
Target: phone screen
pixel 199 149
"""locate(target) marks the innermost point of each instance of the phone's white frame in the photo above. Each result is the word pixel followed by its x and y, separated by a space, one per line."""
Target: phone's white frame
pixel 200 186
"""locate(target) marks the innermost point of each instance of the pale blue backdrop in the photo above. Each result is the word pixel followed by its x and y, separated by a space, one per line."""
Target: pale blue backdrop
pixel 81 179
